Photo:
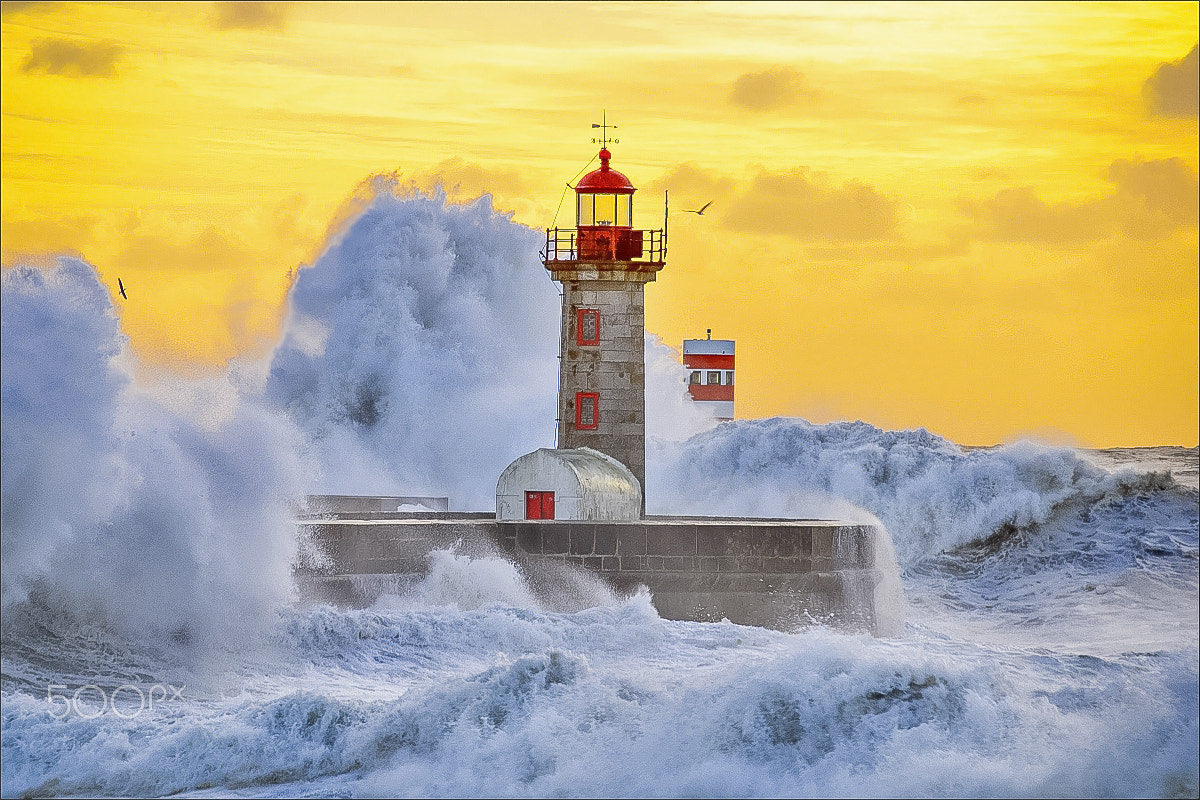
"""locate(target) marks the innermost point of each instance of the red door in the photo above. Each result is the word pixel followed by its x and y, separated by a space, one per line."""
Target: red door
pixel 539 505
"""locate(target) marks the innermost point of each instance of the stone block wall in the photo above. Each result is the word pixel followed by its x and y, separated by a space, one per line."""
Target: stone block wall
pixel 614 368
pixel 775 573
pixel 696 546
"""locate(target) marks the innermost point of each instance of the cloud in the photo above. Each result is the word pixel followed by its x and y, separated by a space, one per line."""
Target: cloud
pixel 15 7
pixel 1174 88
pixel 465 181
pixel 901 252
pixel 25 237
pixel 458 177
pixel 971 100
pixel 793 203
pixel 205 290
pixel 184 249
pixel 692 186
pixel 63 57
pixel 1018 215
pixel 252 16
pixel 1155 196
pixel 1151 199
pixel 772 88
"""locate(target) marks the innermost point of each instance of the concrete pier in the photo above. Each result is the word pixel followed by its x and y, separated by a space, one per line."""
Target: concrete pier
pixel 775 573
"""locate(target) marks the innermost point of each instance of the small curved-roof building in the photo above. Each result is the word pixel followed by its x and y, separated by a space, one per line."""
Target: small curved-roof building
pixel 580 483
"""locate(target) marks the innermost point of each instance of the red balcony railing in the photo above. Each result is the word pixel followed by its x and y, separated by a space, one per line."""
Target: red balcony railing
pixel 646 249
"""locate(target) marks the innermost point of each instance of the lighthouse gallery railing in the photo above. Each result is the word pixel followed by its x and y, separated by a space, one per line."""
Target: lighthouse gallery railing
pixel 645 248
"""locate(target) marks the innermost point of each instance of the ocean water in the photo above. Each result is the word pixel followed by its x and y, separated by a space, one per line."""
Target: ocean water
pixel 1043 600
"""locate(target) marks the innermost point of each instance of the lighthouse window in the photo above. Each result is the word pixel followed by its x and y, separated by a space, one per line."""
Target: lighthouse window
pixel 714 378
pixel 587 326
pixel 587 411
pixel 606 209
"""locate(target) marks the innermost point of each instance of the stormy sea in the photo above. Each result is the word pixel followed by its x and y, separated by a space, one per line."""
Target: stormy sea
pixel 1042 600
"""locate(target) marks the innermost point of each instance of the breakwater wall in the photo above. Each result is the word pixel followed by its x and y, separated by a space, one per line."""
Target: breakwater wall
pixel 772 572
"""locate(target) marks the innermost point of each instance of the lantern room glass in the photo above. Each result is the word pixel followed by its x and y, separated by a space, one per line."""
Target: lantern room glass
pixel 604 209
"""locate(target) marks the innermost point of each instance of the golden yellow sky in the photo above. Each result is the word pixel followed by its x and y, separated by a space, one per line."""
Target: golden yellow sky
pixel 977 218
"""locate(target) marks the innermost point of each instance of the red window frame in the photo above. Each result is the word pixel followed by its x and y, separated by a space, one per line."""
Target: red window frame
pixel 582 314
pixel 594 398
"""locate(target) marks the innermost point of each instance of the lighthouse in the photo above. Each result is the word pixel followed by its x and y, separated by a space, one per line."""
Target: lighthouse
pixel 581 504
pixel 603 265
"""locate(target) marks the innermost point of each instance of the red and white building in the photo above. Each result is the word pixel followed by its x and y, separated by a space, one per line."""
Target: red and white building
pixel 711 370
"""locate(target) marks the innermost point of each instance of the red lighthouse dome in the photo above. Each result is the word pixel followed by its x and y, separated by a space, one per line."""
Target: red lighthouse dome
pixel 605 179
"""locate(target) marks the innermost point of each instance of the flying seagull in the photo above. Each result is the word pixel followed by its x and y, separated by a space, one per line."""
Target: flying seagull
pixel 701 209
pixel 121 286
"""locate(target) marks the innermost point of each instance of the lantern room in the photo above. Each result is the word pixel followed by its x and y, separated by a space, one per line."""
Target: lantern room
pixel 604 215
pixel 604 197
pixel 604 229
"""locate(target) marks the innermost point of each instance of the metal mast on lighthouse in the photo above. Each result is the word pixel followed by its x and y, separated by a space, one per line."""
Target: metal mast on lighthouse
pixel 603 263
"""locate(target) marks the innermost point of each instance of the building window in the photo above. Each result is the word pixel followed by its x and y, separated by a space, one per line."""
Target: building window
pixel 539 505
pixel 587 326
pixel 587 410
pixel 729 378
pixel 694 378
pixel 714 377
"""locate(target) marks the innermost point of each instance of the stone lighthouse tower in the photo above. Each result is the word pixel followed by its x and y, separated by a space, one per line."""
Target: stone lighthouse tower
pixel 603 263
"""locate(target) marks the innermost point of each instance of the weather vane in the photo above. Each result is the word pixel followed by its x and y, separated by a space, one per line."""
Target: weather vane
pixel 604 126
